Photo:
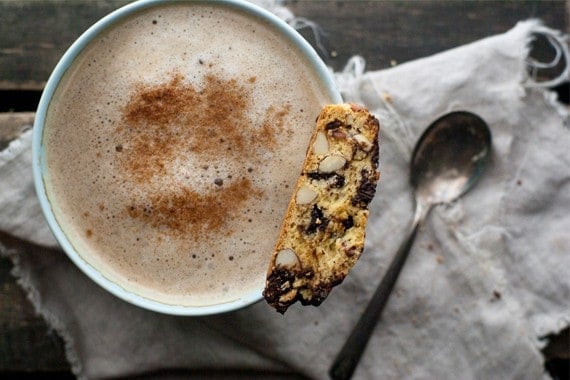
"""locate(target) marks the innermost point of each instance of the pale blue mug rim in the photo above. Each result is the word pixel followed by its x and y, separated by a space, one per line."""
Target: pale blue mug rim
pixel 38 152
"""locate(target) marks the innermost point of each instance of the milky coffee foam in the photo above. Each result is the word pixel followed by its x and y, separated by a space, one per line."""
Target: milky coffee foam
pixel 172 146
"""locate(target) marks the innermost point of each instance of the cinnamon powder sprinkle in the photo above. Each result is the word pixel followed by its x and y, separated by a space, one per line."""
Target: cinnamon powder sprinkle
pixel 162 123
pixel 193 214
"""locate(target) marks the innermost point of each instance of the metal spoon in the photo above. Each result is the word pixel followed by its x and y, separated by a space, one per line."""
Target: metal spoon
pixel 447 161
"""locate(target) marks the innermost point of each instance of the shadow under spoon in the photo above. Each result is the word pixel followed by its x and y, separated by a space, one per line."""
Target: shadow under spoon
pixel 447 161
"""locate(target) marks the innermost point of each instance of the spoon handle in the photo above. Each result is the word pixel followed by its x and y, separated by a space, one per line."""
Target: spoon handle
pixel 349 356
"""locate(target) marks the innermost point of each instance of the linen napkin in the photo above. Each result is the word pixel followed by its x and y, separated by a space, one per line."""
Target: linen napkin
pixel 486 279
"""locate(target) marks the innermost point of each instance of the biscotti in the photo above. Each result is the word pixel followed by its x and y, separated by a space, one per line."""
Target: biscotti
pixel 322 235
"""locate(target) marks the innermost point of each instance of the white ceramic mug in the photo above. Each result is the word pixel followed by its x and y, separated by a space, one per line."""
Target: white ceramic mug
pixel 41 171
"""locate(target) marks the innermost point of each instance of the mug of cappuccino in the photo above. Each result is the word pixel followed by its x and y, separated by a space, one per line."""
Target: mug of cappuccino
pixel 166 144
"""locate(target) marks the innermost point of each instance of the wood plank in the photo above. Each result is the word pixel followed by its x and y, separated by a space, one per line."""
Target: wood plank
pixel 389 32
pixel 382 31
pixel 35 34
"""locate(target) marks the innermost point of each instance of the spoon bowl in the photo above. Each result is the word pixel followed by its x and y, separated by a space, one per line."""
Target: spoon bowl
pixel 442 175
pixel 447 161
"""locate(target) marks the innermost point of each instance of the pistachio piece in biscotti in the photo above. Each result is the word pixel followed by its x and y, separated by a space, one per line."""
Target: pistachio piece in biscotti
pixel 323 231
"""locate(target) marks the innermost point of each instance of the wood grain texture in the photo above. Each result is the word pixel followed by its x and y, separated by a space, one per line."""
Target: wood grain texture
pixel 389 32
pixel 35 33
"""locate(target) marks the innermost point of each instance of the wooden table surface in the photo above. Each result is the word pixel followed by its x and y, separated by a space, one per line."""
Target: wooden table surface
pixel 35 33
